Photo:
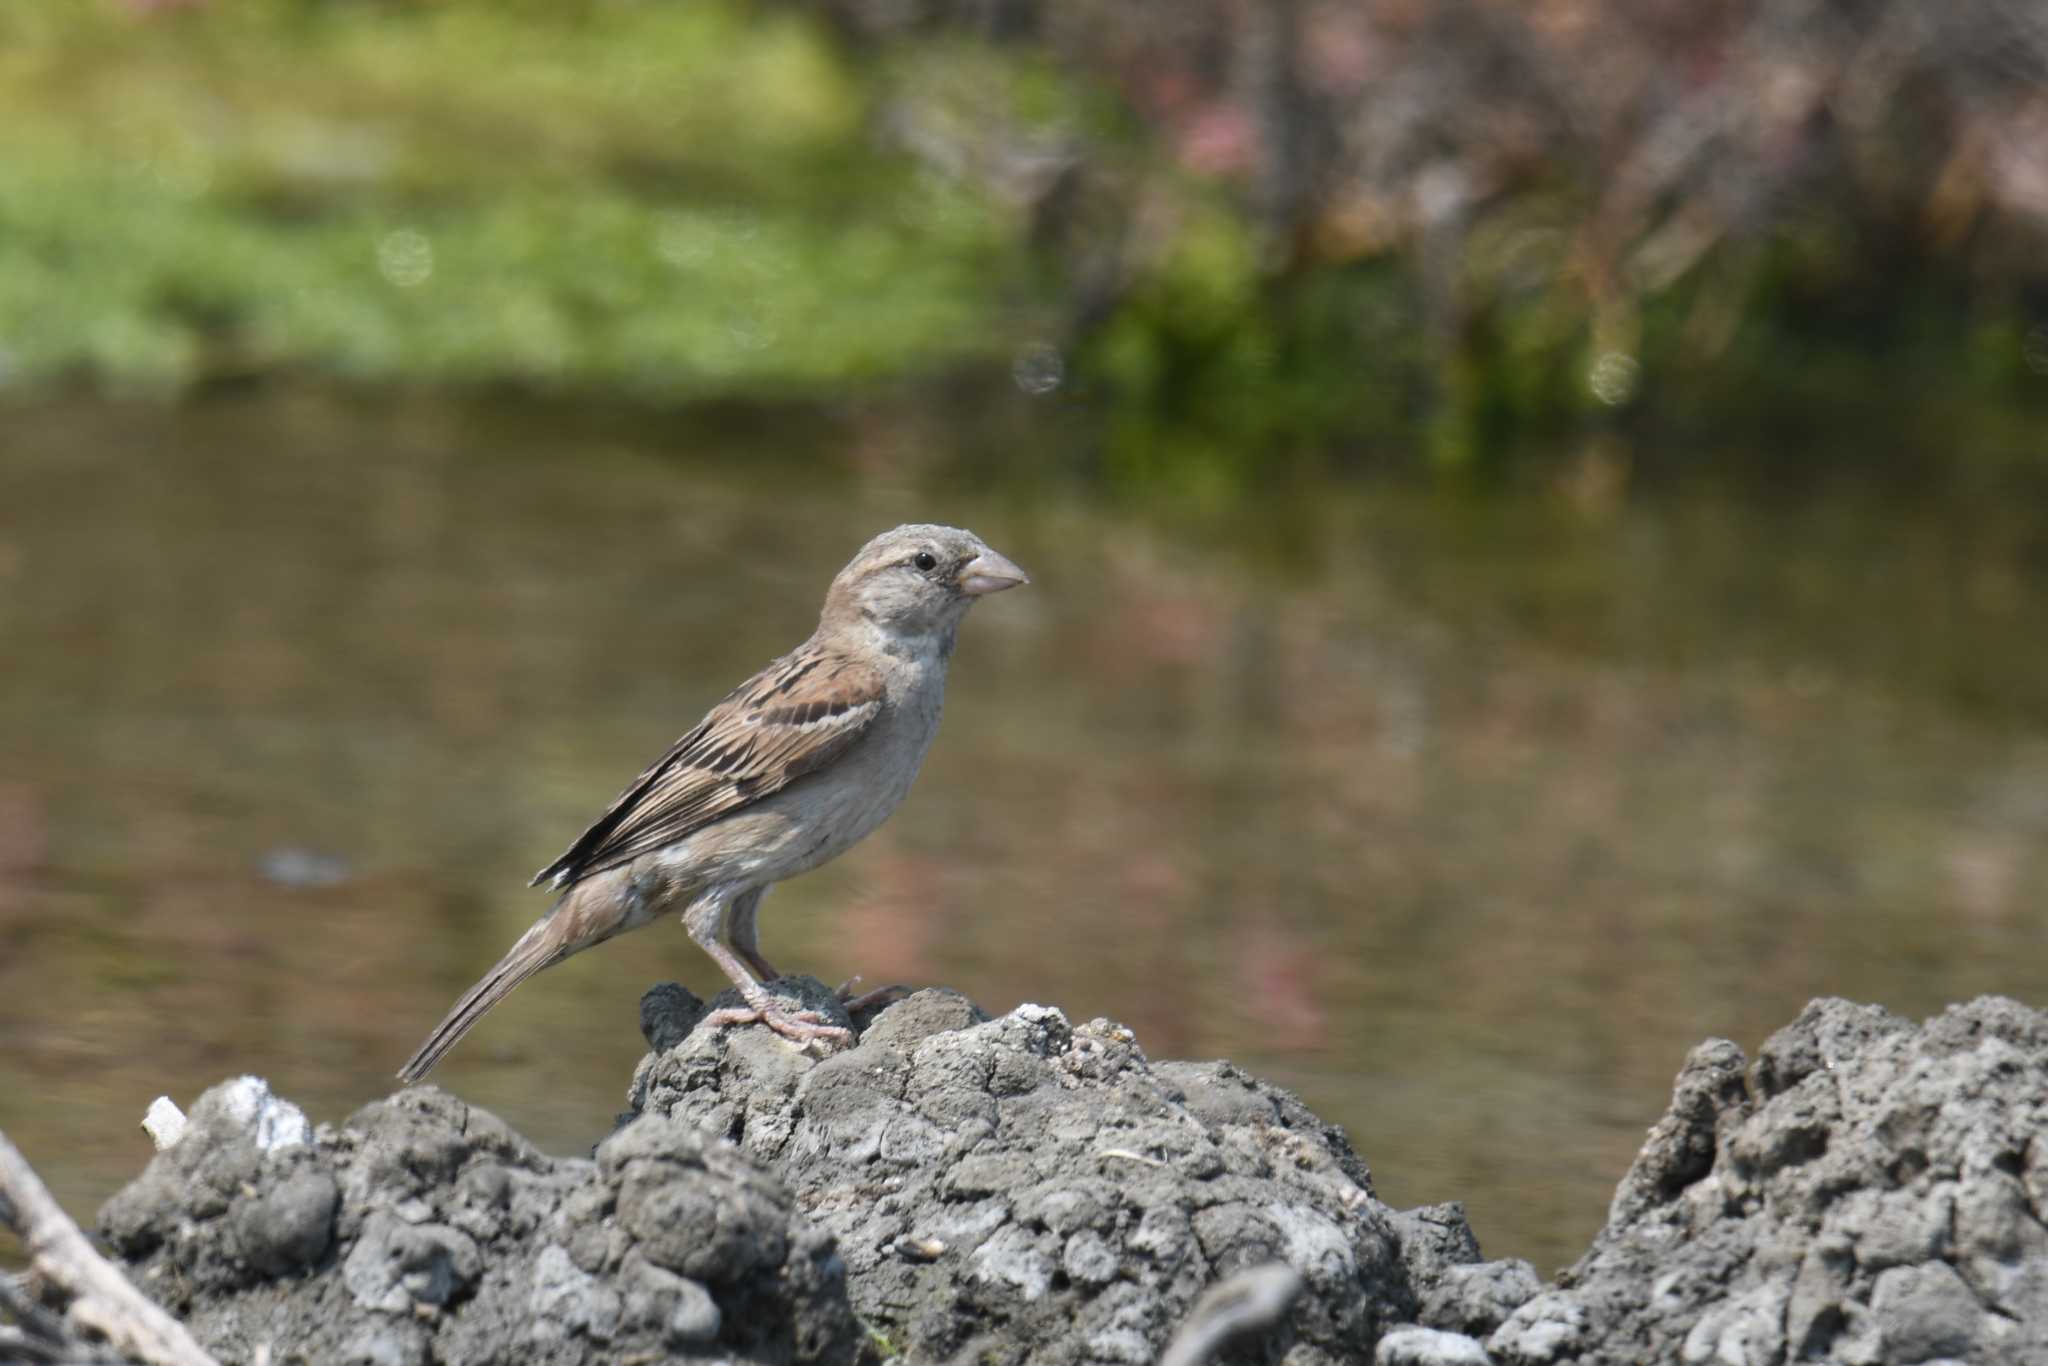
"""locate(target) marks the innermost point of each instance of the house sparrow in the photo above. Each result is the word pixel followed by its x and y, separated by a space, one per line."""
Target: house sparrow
pixel 794 767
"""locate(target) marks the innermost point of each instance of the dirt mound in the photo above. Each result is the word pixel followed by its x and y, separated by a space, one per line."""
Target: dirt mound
pixel 1014 1189
pixel 1868 1192
pixel 1024 1189
pixel 1039 1191
pixel 426 1230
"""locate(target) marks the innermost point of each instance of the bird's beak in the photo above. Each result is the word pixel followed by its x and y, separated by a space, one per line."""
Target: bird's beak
pixel 989 572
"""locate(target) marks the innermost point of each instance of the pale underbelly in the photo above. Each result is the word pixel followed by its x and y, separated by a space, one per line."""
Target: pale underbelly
pixel 790 833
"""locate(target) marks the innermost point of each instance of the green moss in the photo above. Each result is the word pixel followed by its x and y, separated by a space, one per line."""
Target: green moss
pixel 878 1344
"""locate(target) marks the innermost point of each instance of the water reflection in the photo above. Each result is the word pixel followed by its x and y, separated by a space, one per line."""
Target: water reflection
pixel 1465 824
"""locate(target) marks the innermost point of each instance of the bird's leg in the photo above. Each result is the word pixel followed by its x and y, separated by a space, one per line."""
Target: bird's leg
pixel 744 918
pixel 709 922
pixel 745 921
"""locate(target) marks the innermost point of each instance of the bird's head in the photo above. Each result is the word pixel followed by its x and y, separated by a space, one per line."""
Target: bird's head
pixel 916 582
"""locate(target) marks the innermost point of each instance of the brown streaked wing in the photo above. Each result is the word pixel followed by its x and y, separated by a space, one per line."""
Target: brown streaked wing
pixel 794 717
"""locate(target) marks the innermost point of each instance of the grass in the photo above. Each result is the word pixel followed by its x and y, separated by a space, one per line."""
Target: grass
pixel 667 199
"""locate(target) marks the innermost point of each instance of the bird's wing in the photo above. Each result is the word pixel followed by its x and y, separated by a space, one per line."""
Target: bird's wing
pixel 799 714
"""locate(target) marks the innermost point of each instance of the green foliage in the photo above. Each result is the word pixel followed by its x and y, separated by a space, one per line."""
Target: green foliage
pixel 1223 378
pixel 678 199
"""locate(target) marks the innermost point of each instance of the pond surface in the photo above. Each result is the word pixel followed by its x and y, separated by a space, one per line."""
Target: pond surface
pixel 1464 821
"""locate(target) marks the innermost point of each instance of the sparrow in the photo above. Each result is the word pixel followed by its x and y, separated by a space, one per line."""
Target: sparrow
pixel 793 768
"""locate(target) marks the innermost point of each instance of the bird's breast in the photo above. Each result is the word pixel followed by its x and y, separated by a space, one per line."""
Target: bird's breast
pixel 816 818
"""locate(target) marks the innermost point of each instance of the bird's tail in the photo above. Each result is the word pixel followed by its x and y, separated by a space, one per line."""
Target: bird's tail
pixel 540 947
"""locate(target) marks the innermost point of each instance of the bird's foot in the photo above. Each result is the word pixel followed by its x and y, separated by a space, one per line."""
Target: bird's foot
pixel 800 1026
pixel 868 1000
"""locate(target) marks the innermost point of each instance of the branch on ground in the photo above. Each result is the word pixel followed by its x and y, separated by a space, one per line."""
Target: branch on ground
pixel 102 1301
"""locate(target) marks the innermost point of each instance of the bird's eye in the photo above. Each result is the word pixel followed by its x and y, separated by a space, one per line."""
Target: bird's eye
pixel 924 560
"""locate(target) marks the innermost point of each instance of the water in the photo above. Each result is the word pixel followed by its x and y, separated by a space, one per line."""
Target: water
pixel 1463 821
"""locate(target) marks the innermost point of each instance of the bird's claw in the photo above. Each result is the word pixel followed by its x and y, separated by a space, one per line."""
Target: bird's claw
pixel 803 1027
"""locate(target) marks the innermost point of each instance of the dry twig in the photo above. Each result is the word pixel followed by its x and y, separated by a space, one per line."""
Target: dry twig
pixel 102 1299
pixel 1251 1300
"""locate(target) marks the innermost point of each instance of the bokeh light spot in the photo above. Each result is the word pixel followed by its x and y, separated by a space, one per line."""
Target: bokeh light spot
pixel 751 329
pixel 2034 349
pixel 1613 376
pixel 406 258
pixel 684 242
pixel 1038 368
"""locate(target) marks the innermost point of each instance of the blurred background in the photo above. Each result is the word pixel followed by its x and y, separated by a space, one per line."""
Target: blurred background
pixel 1536 514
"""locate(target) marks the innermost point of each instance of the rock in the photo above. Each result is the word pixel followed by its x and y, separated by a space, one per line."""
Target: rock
pixel 668 1012
pixel 1032 1190
pixel 1023 1189
pixel 1550 1327
pixel 426 1231
pixel 1429 1347
pixel 1480 1296
pixel 1680 1147
pixel 1866 1192
pixel 164 1122
pixel 289 1223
